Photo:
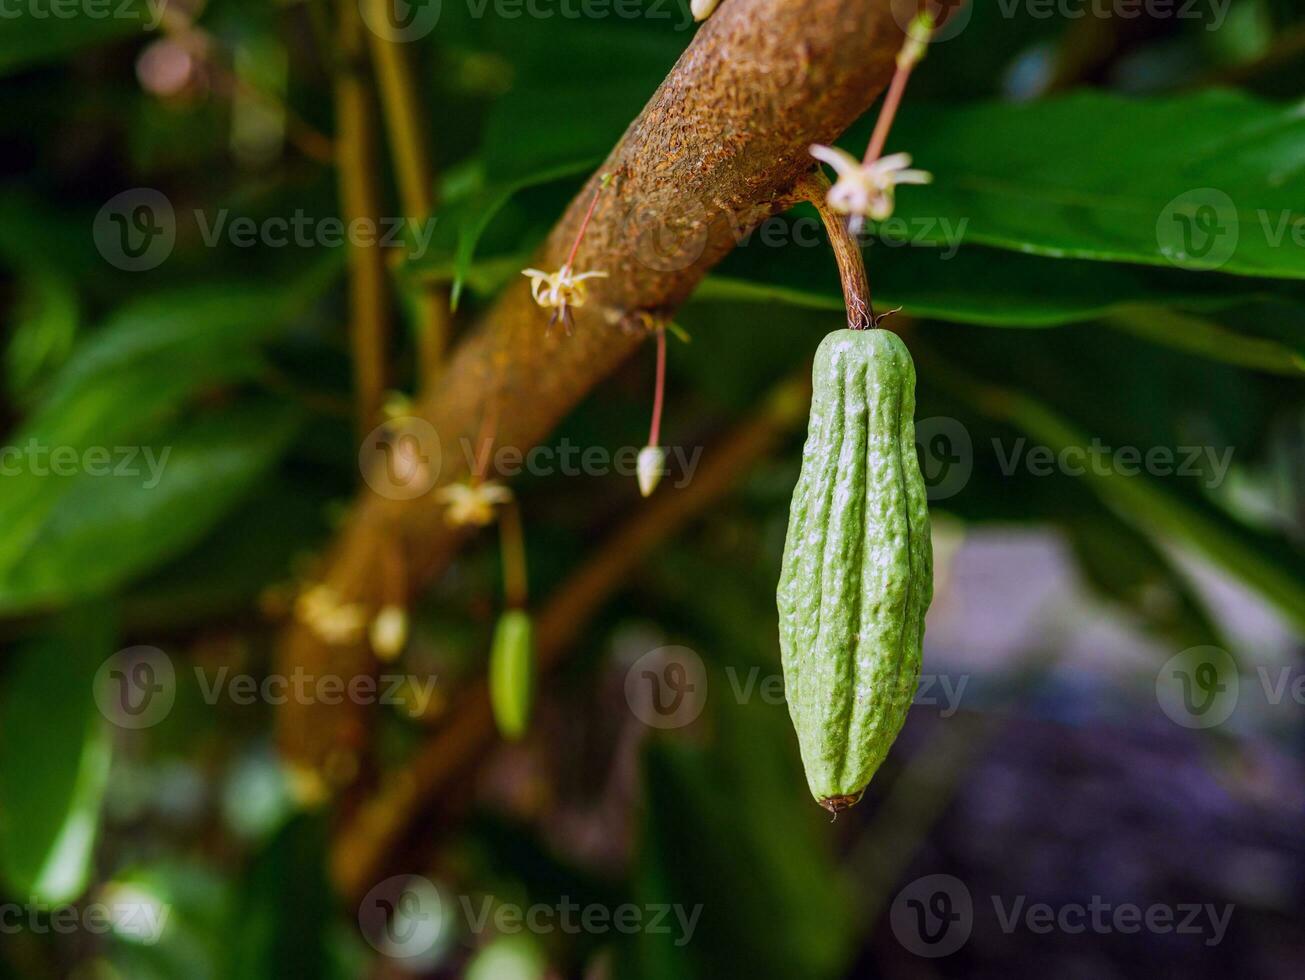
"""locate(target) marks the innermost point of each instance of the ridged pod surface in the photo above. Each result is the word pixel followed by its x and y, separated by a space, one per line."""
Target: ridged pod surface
pixel 857 576
pixel 512 673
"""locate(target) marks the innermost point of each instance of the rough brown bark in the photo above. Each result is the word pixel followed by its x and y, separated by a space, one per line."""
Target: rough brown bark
pixel 718 148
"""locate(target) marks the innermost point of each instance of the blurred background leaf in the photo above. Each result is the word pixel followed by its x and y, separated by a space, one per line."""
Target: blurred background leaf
pixel 54 758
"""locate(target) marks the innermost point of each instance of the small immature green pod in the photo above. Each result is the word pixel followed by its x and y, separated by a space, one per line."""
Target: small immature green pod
pixel 512 673
pixel 857 576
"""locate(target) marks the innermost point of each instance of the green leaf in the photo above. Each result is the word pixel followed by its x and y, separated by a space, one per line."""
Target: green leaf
pixel 474 215
pixel 250 548
pixel 45 325
pixel 92 531
pixel 278 924
pixel 54 759
pixel 157 351
pixel 1129 568
pixel 189 900
pixel 1207 339
pixel 1151 508
pixel 730 830
pixel 553 125
pixel 48 237
pixel 974 285
pixel 1206 180
pixel 120 394
pixel 35 32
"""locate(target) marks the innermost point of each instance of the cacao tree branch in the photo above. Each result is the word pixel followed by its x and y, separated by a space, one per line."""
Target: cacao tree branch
pixel 719 147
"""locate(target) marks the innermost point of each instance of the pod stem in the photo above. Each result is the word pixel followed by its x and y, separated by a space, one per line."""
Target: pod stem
pixel 655 430
pixel 847 253
pixel 512 539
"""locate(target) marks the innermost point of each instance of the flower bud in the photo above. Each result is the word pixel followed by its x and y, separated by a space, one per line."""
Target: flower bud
pixel 701 11
pixel 649 468
pixel 512 673
pixel 389 632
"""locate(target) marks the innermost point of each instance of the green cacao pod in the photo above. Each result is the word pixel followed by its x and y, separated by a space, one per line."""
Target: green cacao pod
pixel 858 565
pixel 512 673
